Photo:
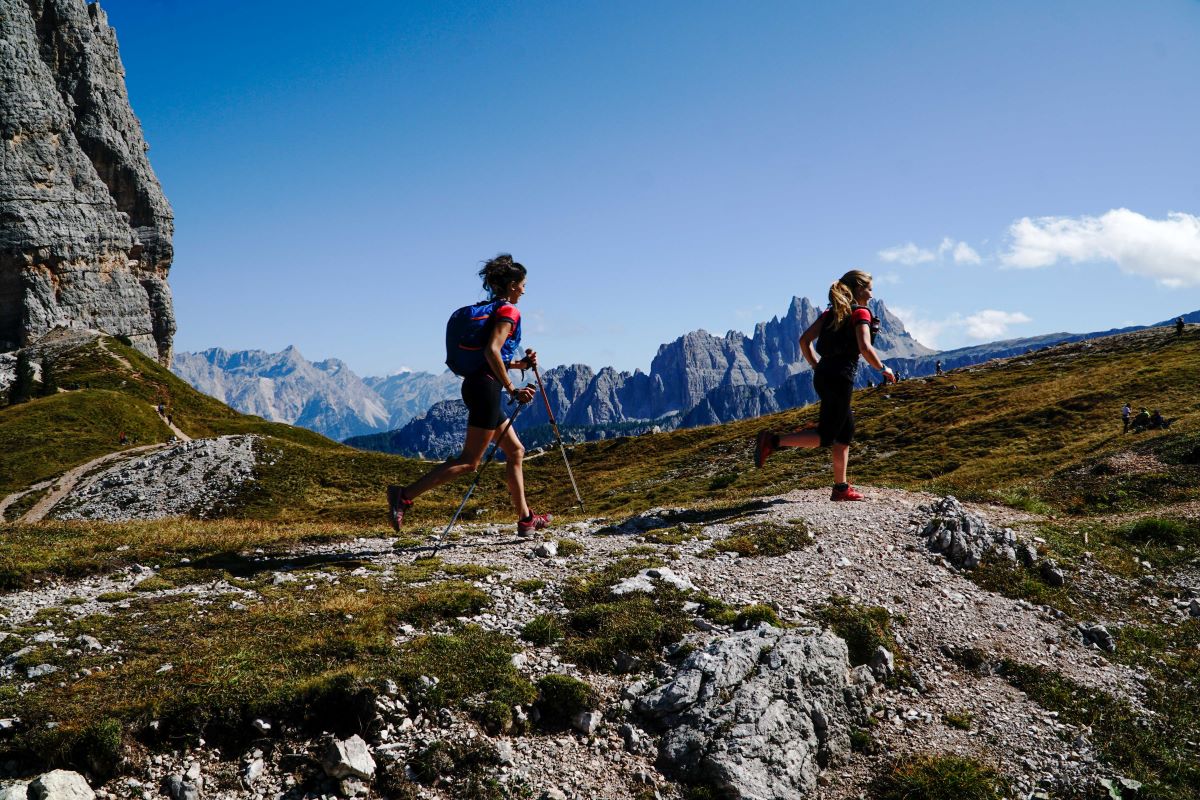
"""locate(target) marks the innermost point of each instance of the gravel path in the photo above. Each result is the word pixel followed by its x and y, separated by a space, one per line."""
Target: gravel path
pixel 869 552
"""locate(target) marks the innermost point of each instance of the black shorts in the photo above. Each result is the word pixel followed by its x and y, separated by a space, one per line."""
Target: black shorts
pixel 836 420
pixel 481 393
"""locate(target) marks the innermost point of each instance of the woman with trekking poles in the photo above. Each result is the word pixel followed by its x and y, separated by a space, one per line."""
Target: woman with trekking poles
pixel 840 335
pixel 481 343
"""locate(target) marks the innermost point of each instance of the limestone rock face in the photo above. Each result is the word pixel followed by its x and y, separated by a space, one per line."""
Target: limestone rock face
pixel 85 231
pixel 759 714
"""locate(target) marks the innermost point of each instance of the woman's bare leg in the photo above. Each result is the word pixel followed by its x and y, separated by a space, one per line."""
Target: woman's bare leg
pixel 467 461
pixel 841 455
pixel 514 474
pixel 808 439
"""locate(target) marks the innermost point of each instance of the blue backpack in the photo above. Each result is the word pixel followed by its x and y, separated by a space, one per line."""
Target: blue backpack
pixel 466 332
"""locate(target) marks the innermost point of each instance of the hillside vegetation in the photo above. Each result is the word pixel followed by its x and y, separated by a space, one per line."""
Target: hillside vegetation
pixel 1039 431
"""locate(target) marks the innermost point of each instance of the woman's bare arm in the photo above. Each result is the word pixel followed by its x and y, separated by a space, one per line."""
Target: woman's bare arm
pixel 808 338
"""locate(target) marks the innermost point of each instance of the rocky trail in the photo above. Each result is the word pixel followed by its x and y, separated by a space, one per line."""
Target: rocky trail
pixel 893 551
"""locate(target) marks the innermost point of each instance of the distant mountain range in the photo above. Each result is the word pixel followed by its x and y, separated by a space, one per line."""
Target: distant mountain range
pixel 698 379
pixel 324 396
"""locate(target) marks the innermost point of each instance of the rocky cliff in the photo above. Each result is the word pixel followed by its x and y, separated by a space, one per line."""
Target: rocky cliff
pixel 85 231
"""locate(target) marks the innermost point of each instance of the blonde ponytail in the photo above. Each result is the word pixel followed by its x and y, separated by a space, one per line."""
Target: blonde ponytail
pixel 841 294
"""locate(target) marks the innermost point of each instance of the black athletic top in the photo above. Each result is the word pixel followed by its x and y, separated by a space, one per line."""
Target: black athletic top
pixel 838 348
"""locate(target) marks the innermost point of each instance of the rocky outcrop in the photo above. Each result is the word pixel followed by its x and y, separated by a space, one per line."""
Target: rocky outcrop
pixel 759 714
pixel 199 478
pixel 85 231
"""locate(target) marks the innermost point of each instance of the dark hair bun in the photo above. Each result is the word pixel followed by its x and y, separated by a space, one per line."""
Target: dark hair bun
pixel 500 273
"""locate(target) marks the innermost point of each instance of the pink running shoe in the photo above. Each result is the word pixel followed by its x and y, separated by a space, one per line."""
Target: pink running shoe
pixel 397 505
pixel 846 494
pixel 535 523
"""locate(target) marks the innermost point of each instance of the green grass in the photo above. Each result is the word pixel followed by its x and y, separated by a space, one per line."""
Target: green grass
pixel 569 547
pixel 765 539
pixel 863 627
pixel 980 435
pixel 306 658
pixel 561 697
pixel 940 777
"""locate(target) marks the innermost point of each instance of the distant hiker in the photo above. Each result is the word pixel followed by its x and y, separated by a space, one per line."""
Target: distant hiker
pixel 481 345
pixel 123 439
pixel 840 334
pixel 161 409
pixel 1141 421
pixel 937 367
pixel 1179 326
pixel 1126 412
pixel 1157 422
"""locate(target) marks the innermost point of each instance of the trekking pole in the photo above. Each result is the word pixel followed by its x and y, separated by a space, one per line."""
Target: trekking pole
pixel 492 452
pixel 554 426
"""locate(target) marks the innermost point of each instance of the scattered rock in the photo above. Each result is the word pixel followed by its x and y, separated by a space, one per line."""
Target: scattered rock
pixel 547 549
pixel 644 581
pixel 587 722
pixel 1098 635
pixel 883 663
pixel 348 759
pixel 60 784
pixel 962 537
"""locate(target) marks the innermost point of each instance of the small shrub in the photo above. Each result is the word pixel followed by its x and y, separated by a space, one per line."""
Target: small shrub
pixel 929 777
pixel 467 769
pixel 115 597
pixel 616 634
pixel 471 663
pixel 529 585
pixel 750 616
pixel 959 719
pixel 561 697
pixel 863 627
pixel 1162 532
pixel 543 630
pixel 861 741
pixel 153 584
pixel 722 481
pixel 569 547
pixel 765 539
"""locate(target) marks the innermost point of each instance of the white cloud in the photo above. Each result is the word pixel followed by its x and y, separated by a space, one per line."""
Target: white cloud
pixel 965 254
pixel 1165 250
pixel 907 254
pixel 992 324
pixel 910 253
pixel 926 331
pixel 950 331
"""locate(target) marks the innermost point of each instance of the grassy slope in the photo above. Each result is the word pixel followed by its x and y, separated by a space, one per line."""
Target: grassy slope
pixel 1009 430
pixel 49 435
pixel 993 431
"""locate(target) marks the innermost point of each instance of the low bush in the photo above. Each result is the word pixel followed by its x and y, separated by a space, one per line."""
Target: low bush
pixel 863 627
pixel 543 630
pixel 929 777
pixel 765 539
pixel 561 697
pixel 750 616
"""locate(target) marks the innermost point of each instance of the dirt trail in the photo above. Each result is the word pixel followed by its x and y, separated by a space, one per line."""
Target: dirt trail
pixel 15 496
pixel 183 437
pixel 67 481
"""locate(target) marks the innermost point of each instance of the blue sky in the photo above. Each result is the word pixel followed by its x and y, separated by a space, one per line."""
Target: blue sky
pixel 1003 169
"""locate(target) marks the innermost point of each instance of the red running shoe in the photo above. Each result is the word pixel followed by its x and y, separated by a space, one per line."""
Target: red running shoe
pixel 846 494
pixel 397 505
pixel 535 523
pixel 763 448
